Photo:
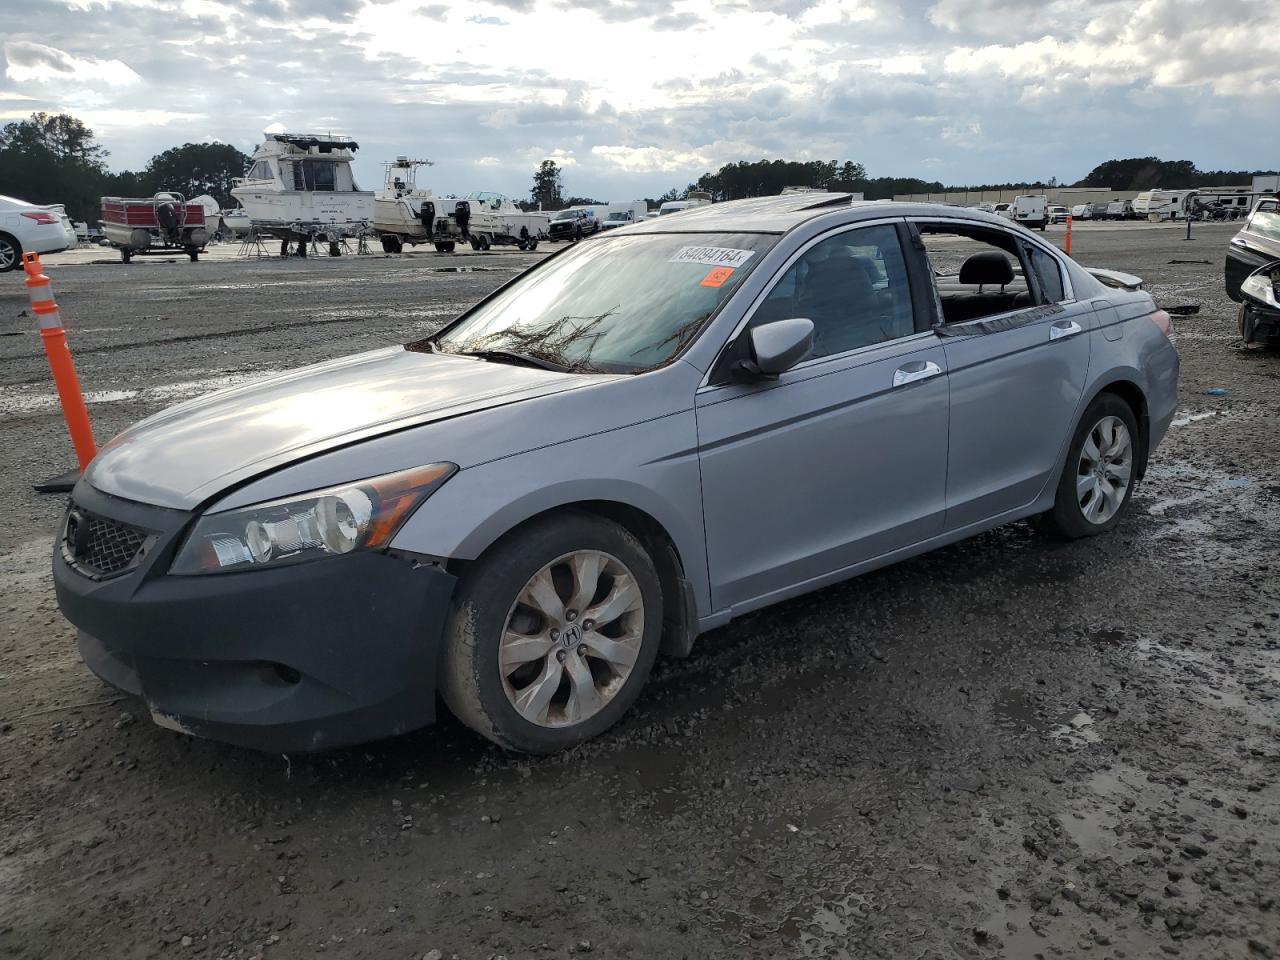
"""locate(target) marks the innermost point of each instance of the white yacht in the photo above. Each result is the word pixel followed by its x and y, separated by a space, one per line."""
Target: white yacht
pixel 300 187
pixel 404 213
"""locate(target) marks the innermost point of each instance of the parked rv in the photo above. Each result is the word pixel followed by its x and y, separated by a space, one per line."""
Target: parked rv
pixel 1082 211
pixel 1120 210
pixel 1157 205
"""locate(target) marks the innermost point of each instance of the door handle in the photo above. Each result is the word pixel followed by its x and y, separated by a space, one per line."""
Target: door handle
pixel 1064 328
pixel 915 371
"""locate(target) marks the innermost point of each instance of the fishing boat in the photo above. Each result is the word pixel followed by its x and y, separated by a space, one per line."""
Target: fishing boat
pixel 404 213
pixel 300 187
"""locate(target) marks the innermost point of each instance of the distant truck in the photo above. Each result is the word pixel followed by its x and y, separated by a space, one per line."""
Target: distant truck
pixel 1158 205
pixel 623 212
pixel 1031 210
pixel 574 223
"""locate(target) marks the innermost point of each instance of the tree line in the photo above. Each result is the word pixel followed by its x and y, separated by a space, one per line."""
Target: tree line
pixel 54 158
pixel 764 178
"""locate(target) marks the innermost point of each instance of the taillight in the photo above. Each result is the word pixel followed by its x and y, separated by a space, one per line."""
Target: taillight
pixel 1162 320
pixel 41 217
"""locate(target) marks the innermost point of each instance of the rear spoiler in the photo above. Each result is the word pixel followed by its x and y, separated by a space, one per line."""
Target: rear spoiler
pixel 1116 279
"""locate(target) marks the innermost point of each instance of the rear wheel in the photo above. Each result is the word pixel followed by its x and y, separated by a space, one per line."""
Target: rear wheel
pixel 126 254
pixel 552 634
pixel 10 253
pixel 194 254
pixel 392 244
pixel 1101 470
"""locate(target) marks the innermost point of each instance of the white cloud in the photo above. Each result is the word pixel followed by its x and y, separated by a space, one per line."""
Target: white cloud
pixel 670 88
pixel 30 62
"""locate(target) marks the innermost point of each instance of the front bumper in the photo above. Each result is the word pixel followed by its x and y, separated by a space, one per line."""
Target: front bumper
pixel 288 659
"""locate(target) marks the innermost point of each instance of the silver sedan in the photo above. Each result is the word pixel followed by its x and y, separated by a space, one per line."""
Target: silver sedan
pixel 641 438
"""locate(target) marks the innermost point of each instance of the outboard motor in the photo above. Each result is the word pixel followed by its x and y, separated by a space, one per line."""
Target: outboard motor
pixel 428 216
pixel 462 214
pixel 168 219
pixel 1260 305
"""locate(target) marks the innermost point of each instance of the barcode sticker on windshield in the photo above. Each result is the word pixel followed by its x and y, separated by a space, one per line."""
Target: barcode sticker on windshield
pixel 713 256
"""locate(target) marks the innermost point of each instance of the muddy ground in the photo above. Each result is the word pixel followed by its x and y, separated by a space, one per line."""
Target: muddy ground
pixel 1013 747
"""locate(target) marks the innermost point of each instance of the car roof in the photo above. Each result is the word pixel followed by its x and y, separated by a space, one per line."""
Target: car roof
pixel 784 213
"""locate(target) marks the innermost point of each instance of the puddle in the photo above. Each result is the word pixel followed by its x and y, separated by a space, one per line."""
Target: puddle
pixel 1015 708
pixel 1192 418
pixel 1076 732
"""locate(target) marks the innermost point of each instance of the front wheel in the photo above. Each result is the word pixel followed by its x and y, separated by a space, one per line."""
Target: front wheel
pixel 552 634
pixel 1101 470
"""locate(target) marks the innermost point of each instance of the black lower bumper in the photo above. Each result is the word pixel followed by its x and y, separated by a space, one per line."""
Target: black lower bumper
pixel 296 658
pixel 1240 262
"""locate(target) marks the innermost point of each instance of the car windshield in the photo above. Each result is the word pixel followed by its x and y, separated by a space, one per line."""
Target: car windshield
pixel 625 304
pixel 565 215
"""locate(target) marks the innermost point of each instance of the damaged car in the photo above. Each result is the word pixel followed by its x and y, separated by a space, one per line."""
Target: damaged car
pixel 1253 259
pixel 632 443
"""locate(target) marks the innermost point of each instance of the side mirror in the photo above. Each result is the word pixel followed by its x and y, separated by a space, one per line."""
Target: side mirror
pixel 777 347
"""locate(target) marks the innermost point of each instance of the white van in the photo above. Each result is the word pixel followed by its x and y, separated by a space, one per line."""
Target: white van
pixel 1031 210
pixel 1157 205
pixel 675 206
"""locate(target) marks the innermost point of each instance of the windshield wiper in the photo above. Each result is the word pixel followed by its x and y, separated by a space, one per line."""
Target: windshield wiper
pixel 514 356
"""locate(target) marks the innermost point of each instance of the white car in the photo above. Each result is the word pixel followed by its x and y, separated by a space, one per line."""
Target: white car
pixel 28 228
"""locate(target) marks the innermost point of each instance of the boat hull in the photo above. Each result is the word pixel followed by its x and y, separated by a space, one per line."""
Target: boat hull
pixel 304 214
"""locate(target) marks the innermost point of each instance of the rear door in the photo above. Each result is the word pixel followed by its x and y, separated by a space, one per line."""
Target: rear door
pixel 841 459
pixel 1016 383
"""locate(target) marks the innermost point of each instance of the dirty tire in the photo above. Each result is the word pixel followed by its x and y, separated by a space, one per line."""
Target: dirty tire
pixel 1067 518
pixel 10 253
pixel 470 678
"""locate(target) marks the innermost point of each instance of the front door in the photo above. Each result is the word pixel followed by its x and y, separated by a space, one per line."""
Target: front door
pixel 843 458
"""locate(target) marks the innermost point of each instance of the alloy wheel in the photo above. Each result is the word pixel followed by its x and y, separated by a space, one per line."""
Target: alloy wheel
pixel 1104 470
pixel 571 638
pixel 8 254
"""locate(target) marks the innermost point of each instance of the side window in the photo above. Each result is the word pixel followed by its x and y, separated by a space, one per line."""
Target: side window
pixel 853 286
pixel 1048 273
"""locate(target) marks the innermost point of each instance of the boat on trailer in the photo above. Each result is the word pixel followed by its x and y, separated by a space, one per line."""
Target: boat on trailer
pixel 160 224
pixel 300 187
pixel 404 213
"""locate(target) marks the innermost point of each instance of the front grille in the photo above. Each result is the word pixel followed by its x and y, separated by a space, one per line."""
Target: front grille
pixel 98 546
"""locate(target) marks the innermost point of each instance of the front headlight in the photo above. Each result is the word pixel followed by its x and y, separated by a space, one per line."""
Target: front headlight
pixel 1260 286
pixel 363 515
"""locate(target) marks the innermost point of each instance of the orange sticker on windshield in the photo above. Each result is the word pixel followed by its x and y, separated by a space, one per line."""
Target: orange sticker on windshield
pixel 717 276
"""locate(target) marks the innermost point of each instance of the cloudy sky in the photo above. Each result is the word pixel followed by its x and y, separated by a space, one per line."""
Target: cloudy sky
pixel 635 96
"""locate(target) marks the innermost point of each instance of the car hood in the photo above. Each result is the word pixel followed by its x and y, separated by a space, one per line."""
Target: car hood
pixel 183 456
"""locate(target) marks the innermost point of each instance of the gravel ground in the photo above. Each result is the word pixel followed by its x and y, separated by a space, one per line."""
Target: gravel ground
pixel 1012 747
